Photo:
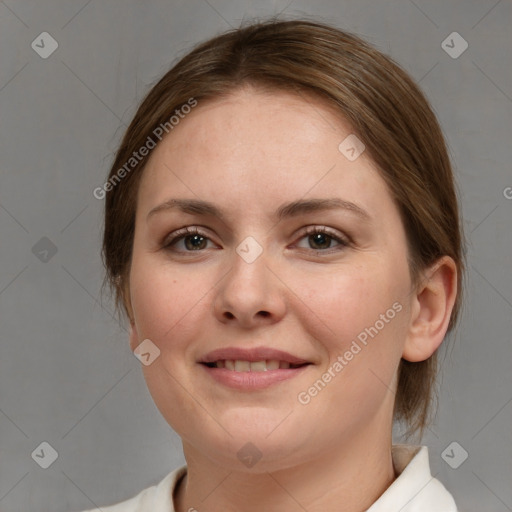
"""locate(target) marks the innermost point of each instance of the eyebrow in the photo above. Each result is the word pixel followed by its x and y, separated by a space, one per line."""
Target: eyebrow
pixel 292 209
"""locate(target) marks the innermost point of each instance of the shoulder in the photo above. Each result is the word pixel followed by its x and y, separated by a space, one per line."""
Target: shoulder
pixel 157 498
pixel 415 489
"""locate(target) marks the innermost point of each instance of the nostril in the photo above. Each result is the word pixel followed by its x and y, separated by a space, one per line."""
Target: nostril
pixel 230 315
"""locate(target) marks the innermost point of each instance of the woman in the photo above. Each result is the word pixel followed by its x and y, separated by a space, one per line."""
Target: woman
pixel 282 232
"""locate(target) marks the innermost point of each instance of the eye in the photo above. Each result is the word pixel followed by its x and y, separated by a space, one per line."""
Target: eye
pixel 320 239
pixel 192 239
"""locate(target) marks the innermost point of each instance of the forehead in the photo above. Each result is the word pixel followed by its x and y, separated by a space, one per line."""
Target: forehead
pixel 259 148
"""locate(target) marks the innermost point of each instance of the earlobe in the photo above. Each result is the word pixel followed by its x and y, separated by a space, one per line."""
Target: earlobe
pixel 431 309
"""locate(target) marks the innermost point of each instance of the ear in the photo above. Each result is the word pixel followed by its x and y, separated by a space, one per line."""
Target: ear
pixel 431 309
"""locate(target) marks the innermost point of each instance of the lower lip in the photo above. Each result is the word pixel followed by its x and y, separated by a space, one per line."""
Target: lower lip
pixel 252 380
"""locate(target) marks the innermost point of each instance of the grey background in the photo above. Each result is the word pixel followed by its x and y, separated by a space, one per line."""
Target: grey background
pixel 67 375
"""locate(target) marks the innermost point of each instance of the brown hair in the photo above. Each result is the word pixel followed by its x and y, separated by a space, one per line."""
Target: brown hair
pixel 385 109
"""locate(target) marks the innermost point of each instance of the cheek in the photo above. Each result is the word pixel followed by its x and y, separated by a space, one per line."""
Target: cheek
pixel 164 300
pixel 345 302
pixel 362 320
pixel 167 308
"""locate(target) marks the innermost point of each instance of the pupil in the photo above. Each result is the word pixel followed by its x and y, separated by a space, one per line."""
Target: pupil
pixel 194 242
pixel 320 239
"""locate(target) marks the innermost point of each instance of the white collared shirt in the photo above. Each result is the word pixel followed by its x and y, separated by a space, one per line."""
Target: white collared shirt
pixel 414 490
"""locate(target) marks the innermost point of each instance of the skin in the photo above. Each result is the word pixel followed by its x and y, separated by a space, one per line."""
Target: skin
pixel 249 153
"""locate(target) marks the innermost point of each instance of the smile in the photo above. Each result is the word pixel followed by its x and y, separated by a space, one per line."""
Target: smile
pixel 251 369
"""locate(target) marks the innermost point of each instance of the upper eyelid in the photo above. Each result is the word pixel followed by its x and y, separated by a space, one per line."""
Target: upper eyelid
pixel 328 231
pixel 183 232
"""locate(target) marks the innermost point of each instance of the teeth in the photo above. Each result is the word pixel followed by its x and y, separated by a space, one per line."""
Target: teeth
pixel 272 364
pixel 256 366
pixel 242 366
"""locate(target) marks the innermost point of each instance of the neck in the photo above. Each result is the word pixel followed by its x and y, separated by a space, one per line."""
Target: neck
pixel 349 477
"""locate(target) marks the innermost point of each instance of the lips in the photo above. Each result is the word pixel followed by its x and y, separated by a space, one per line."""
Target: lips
pixel 252 370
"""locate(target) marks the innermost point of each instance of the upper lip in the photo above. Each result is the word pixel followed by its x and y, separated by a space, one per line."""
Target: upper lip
pixel 251 355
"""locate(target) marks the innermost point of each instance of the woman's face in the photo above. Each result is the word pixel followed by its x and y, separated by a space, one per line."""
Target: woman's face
pixel 256 284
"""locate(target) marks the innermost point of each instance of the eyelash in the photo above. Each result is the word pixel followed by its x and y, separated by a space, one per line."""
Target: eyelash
pixel 183 233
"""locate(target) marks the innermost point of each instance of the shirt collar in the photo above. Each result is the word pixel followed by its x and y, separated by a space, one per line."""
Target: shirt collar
pixel 414 489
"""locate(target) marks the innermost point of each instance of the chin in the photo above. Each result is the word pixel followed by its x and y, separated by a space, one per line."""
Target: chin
pixel 252 443
pixel 256 457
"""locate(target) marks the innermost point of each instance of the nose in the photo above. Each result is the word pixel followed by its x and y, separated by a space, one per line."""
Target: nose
pixel 250 294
